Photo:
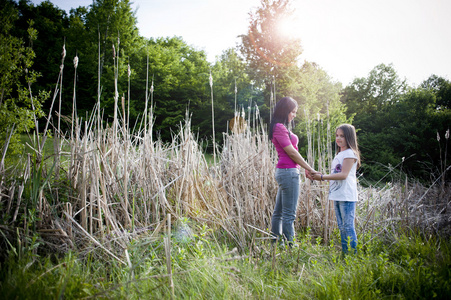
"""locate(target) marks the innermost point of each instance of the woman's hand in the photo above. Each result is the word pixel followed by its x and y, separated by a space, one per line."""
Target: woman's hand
pixel 310 174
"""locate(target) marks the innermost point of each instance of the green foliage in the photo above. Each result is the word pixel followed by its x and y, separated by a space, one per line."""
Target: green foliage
pixel 182 74
pixel 317 93
pixel 18 107
pixel 320 112
pixel 233 91
pixel 398 126
pixel 50 23
pixel 442 90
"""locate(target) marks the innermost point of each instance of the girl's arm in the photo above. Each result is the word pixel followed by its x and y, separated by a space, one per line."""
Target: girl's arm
pixel 297 158
pixel 347 165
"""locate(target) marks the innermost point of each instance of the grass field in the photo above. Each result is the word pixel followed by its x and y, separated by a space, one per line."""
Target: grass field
pixel 205 265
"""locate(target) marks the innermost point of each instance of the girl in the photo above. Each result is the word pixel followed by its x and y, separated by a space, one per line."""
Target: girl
pixel 343 183
pixel 287 169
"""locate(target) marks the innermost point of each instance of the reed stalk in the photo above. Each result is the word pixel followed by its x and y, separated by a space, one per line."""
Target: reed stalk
pixel 98 84
pixel 213 119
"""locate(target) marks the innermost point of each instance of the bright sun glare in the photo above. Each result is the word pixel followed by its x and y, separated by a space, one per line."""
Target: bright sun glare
pixel 288 29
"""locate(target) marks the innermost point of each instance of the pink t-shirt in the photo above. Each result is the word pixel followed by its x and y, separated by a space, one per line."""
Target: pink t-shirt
pixel 281 139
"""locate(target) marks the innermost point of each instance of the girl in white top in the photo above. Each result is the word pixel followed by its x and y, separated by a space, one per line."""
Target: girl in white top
pixel 343 184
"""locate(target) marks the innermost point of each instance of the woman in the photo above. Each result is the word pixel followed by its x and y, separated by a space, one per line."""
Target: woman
pixel 287 169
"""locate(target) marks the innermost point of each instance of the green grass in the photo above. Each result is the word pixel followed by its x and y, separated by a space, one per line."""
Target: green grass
pixel 205 267
pixel 16 157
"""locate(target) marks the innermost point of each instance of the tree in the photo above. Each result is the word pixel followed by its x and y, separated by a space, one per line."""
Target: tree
pixel 441 88
pixel 368 96
pixel 369 100
pixel 398 125
pixel 233 89
pixel 110 24
pixel 180 80
pixel 271 56
pixel 50 23
pixel 319 98
pixel 19 108
pixel 317 93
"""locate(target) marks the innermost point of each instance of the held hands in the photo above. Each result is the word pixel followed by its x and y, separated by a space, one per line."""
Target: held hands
pixel 313 175
pixel 317 176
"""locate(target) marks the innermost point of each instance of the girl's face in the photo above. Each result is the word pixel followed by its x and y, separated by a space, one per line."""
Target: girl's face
pixel 341 140
pixel 292 114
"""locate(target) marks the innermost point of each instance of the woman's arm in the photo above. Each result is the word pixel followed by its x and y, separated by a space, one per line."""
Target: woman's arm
pixel 347 165
pixel 297 158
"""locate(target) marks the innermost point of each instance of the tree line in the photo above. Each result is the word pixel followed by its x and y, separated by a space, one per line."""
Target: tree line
pixel 400 128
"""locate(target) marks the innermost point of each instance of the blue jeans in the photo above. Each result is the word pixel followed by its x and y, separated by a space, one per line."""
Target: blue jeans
pixel 345 213
pixel 282 222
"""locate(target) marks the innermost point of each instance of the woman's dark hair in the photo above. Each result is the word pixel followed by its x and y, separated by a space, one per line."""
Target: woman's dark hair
pixel 280 114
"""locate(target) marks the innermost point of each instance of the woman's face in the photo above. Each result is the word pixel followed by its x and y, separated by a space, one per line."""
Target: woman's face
pixel 292 114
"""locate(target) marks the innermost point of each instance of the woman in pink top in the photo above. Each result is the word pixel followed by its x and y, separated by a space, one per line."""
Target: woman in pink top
pixel 287 169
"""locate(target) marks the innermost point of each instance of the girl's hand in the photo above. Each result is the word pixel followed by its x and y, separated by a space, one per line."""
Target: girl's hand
pixel 317 176
pixel 309 174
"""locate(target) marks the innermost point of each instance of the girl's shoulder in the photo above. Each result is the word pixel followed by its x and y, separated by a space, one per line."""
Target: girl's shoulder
pixel 348 153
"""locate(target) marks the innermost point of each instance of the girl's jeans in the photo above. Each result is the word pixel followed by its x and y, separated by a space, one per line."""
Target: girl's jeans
pixel 345 212
pixel 282 222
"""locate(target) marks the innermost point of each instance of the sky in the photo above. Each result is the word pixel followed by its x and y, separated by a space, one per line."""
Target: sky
pixel 346 38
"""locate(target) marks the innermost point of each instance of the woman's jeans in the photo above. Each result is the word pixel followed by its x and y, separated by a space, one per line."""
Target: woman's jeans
pixel 282 222
pixel 345 212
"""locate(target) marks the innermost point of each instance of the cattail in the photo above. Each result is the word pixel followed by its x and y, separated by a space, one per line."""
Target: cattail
pixel 438 137
pixel 213 119
pixel 64 52
pixel 75 62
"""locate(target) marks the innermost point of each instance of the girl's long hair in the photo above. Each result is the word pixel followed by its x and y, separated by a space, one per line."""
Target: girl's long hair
pixel 351 140
pixel 280 114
